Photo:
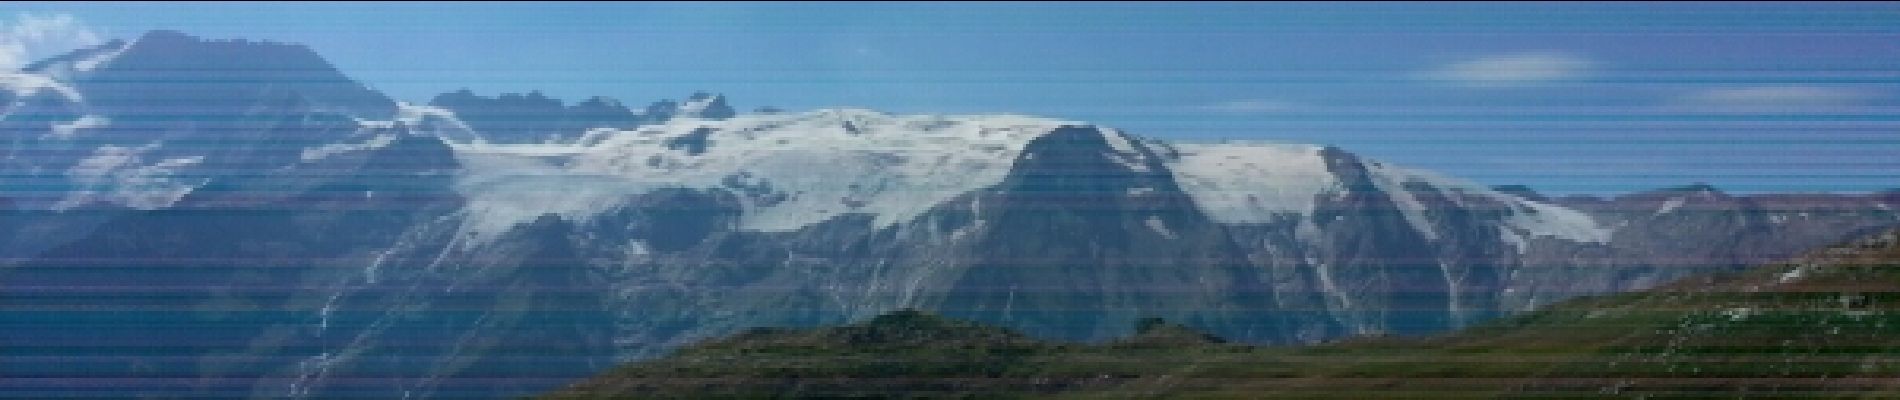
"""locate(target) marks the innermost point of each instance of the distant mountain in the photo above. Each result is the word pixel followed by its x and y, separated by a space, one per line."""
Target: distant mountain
pixel 536 118
pixel 273 228
pixel 1822 325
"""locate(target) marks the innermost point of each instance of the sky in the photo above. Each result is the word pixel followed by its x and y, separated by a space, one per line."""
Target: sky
pixel 1591 98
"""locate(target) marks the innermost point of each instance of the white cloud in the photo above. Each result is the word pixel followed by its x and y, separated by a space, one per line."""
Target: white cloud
pixel 31 37
pixel 1772 98
pixel 1519 69
pixel 1253 106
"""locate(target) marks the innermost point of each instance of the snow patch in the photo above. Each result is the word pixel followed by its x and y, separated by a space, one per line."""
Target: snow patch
pixel 65 71
pixel 325 151
pixel 94 62
pixel 1793 274
pixel 430 121
pixel 323 316
pixel 1118 141
pixel 1239 183
pixel 1393 184
pixel 1531 219
pixel 1550 220
pixel 1671 205
pixel 696 106
pixel 67 129
pixel 23 85
pixel 115 174
pixel 1156 224
pixel 1128 161
pixel 1516 240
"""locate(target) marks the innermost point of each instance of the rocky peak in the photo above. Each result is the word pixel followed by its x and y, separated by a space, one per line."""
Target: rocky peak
pixel 705 105
pixel 534 117
pixel 702 105
pixel 1075 159
pixel 1521 191
pixel 164 69
pixel 76 61
pixel 1697 190
pixel 1699 196
pixel 661 110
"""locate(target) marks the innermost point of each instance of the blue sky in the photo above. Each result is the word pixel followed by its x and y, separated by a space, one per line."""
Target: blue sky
pixel 1566 97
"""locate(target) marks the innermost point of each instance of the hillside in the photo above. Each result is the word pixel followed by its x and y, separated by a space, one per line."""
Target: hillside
pixel 1818 326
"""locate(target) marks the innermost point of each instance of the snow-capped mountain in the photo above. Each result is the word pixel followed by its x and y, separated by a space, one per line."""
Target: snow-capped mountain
pixel 297 234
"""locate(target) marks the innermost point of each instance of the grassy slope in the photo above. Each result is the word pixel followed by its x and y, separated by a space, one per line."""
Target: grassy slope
pixel 1829 331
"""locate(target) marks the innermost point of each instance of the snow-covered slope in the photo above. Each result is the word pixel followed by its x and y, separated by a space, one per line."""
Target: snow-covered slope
pixel 1252 182
pixel 108 126
pixel 1528 218
pixel 792 170
pixel 1246 182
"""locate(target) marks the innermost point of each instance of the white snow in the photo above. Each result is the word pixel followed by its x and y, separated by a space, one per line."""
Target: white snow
pixel 65 71
pixel 1160 227
pixel 1242 182
pixel 1563 223
pixel 1670 205
pixel 1510 236
pixel 1251 182
pixel 70 128
pixel 323 316
pixel 1392 183
pixel 1123 150
pixel 1793 274
pixel 91 63
pixel 426 120
pixel 1118 141
pixel 325 151
pixel 120 175
pixel 1529 218
pixel 807 167
pixel 1337 300
pixel 23 85
pixel 695 107
pixel 794 170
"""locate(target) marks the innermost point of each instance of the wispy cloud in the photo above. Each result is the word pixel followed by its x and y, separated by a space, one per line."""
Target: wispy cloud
pixel 1517 69
pixel 1789 98
pixel 30 37
pixel 1251 106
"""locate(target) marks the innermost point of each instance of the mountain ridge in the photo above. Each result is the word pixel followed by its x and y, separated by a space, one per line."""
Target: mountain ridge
pixel 379 230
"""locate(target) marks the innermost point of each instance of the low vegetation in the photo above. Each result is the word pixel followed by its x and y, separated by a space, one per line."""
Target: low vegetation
pixel 1822 326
